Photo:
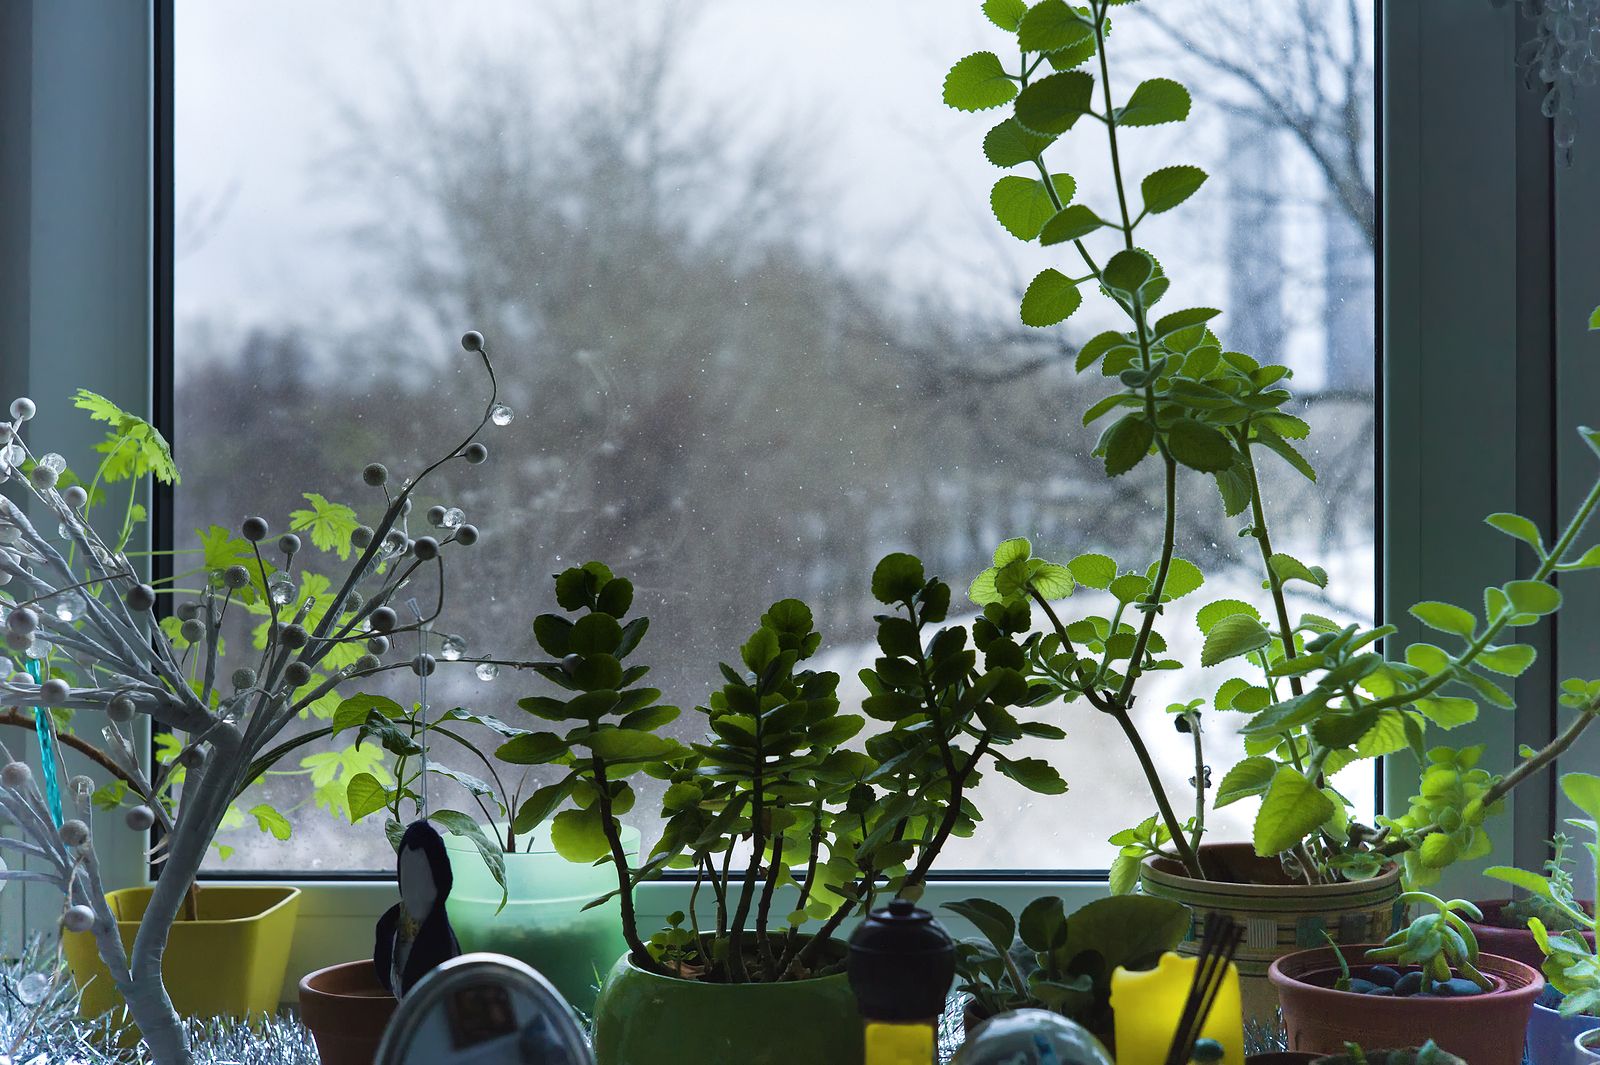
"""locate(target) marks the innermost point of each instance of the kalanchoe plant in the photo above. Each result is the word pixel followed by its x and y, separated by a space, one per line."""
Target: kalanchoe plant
pixel 780 823
pixel 1048 959
pixel 1571 965
pixel 121 661
pixel 1325 696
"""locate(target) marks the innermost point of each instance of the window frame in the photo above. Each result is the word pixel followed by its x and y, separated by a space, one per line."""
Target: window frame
pixel 1477 323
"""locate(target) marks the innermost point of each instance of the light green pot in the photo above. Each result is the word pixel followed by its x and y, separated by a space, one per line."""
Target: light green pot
pixel 644 1019
pixel 544 922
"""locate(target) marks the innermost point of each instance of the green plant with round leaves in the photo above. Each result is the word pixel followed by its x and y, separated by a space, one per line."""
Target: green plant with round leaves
pixel 1571 965
pixel 1049 959
pixel 1439 940
pixel 1326 696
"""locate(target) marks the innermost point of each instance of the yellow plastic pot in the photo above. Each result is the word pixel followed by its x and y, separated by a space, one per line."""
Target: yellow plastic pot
pixel 231 962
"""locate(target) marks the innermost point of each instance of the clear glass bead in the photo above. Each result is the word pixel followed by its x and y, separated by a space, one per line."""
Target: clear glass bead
pixel 33 988
pixel 281 588
pixel 451 648
pixel 454 518
pixel 67 608
pixel 487 671
pixel 501 414
pixel 53 461
pixel 15 455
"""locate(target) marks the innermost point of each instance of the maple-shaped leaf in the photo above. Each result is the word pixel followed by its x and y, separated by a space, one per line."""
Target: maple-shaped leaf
pixel 330 524
pixel 133 447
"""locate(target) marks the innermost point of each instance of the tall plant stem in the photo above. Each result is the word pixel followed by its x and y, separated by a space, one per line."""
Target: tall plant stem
pixel 1263 538
pixel 619 859
pixel 758 847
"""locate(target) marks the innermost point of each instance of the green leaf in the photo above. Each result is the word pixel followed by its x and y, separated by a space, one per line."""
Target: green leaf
pixel 271 821
pixel 628 745
pixel 133 447
pixel 1053 105
pixel 354 711
pixel 1183 577
pixel 1170 186
pixel 1155 102
pixel 897 578
pixel 1050 26
pixel 1011 144
pixel 1127 271
pixel 365 794
pixel 1023 205
pixel 330 524
pixel 1199 446
pixel 977 83
pixel 577 835
pixel 1007 14
pixel 1070 224
pixel 459 824
pixel 1232 636
pixel 1051 298
pixel 1126 444
pixel 1250 777
pixel 1533 597
pixel 541 804
pixel 532 748
pixel 1590 559
pixel 1289 568
pixel 1292 809
pixel 1212 613
pixel 1286 452
pixel 1093 571
pixel 1583 791
pixel 1043 924
pixel 1512 660
pixel 1515 525
pixel 1445 617
pixel 1522 878
pixel 1594 319
pixel 992 920
pixel 1092 351
pixel 1448 712
pixel 1185 319
pixel 1035 774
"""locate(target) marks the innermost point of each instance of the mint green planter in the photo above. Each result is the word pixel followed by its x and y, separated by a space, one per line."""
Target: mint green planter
pixel 644 1019
pixel 544 922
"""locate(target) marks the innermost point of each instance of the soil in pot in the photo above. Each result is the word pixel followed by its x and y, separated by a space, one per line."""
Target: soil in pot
pixel 346 1010
pixel 1487 1028
pixel 642 1017
pixel 1280 916
pixel 1502 934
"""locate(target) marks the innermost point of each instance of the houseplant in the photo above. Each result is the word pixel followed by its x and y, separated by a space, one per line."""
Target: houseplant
pixel 124 663
pixel 1427 981
pixel 1325 697
pixel 1564 931
pixel 1047 959
pixel 780 823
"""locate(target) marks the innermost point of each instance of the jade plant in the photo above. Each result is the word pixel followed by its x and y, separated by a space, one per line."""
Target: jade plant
pixel 73 598
pixel 1571 964
pixel 1322 694
pixel 787 831
pixel 1048 959
pixel 1438 941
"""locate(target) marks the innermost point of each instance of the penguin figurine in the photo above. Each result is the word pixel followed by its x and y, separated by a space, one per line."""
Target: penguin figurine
pixel 414 935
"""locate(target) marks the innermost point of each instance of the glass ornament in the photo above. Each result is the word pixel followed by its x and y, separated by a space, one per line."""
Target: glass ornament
pixel 501 414
pixel 487 671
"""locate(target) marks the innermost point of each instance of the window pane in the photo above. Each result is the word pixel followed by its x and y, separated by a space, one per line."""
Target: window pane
pixel 757 325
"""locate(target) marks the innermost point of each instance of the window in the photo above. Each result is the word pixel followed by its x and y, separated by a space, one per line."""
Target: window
pixel 754 320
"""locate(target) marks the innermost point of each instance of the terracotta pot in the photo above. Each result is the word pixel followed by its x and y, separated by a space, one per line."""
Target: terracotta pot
pixel 1517 943
pixel 1279 916
pixel 347 1010
pixel 1486 1029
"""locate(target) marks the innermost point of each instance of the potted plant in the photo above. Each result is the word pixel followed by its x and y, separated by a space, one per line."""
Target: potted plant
pixel 1427 1054
pixel 85 609
pixel 787 832
pixel 1322 697
pixel 1046 959
pixel 1563 930
pixel 1427 981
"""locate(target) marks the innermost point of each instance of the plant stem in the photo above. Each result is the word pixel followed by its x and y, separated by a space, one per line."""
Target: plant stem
pixel 1263 538
pixel 1199 783
pixel 764 911
pixel 619 859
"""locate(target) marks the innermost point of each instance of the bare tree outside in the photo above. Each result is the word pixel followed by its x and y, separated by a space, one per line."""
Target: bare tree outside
pixel 751 338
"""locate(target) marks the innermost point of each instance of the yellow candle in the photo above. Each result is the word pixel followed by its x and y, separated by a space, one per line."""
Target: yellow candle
pixel 900 1043
pixel 1148 1004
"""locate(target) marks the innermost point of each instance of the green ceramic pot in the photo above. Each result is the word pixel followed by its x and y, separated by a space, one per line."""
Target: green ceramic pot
pixel 644 1019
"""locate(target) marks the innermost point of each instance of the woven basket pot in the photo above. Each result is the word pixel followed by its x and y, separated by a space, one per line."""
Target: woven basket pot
pixel 1278 916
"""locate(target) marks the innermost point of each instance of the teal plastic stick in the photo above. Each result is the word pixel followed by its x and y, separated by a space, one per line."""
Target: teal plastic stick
pixel 47 751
